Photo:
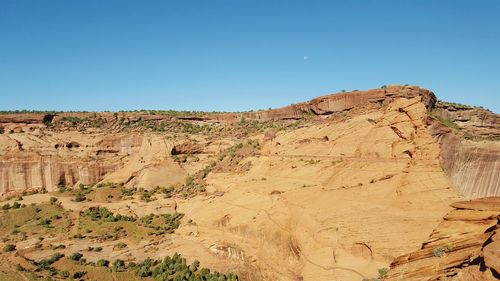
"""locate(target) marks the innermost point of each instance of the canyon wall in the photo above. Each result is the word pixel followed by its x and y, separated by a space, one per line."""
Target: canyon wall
pixel 43 150
pixel 470 150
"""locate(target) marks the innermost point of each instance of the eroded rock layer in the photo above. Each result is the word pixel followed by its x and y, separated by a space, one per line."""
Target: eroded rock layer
pixel 58 159
pixel 465 246
pixel 321 190
pixel 473 166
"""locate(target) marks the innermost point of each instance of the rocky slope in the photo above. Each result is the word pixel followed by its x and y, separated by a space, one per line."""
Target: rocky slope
pixel 37 150
pixel 321 190
pixel 464 246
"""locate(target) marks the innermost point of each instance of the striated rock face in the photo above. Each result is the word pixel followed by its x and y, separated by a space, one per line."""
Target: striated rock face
pixel 473 166
pixel 33 171
pixel 465 246
pixel 34 161
pixel 43 161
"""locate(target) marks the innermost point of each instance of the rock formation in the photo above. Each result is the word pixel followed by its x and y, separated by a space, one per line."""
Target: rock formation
pixel 465 246
pixel 330 189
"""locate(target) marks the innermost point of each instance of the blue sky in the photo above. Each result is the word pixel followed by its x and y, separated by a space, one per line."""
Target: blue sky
pixel 230 55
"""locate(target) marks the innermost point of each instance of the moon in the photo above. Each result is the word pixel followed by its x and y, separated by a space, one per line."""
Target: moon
pixel 306 57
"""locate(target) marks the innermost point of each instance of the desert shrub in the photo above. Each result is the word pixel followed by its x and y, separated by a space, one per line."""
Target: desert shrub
pixel 72 121
pixel 102 263
pixel 438 252
pixel 147 219
pixel 46 263
pixel 168 191
pixel 382 272
pixel 5 207
pixel 128 191
pixel 119 265
pixel 173 221
pixel 9 248
pixel 176 268
pixel 447 122
pixel 45 222
pixel 61 188
pixel 147 196
pixel 120 245
pixel 102 213
pixel 79 274
pixel 80 197
pixel 76 256
pixel 20 267
pixel 53 200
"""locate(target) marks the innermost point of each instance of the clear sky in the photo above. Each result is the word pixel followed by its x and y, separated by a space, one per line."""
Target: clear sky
pixel 232 55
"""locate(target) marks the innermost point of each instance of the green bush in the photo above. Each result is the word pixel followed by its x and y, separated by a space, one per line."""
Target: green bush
pixel 76 256
pixel 9 248
pixel 53 200
pixel 382 272
pixel 79 274
pixel 176 268
pixel 120 245
pixel 119 265
pixel 438 252
pixel 102 213
pixel 102 263
pixel 80 197
pixel 46 263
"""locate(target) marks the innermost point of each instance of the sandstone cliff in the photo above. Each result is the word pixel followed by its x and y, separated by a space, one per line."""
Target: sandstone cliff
pixel 465 246
pixel 330 189
pixel 473 165
pixel 37 149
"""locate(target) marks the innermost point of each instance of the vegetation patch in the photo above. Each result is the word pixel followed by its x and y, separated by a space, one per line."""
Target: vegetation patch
pixel 101 223
pixel 76 267
pixel 18 223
